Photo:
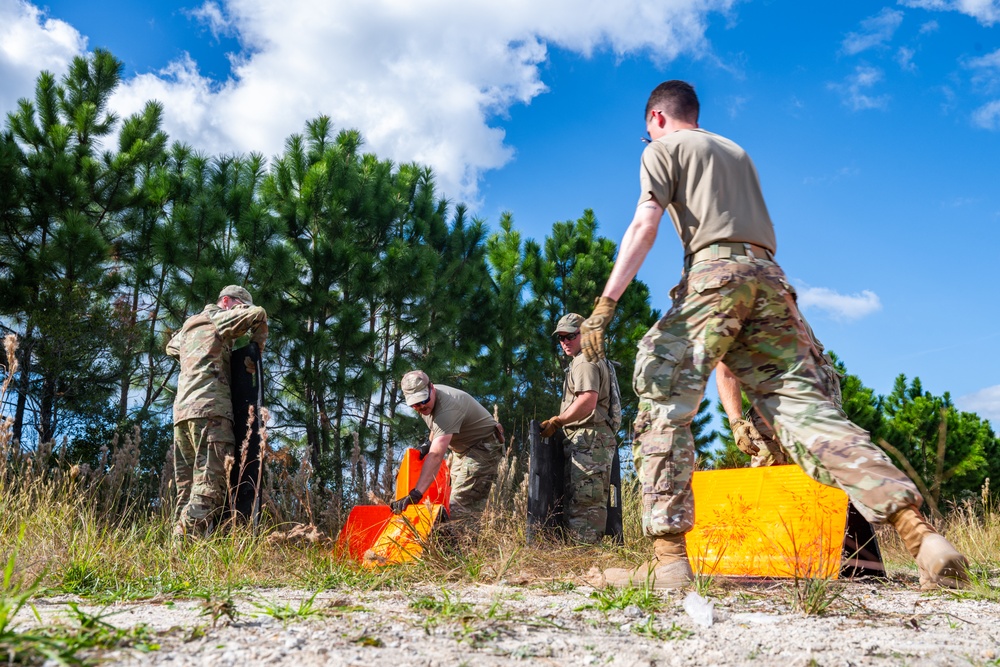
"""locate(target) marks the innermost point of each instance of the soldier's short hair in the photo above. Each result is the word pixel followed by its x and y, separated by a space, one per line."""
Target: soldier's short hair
pixel 676 99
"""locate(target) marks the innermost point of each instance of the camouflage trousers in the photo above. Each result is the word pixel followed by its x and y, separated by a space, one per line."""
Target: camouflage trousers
pixel 472 475
pixel 200 449
pixel 588 453
pixel 744 311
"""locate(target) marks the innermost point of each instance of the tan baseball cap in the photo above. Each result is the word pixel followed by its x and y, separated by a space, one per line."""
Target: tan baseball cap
pixel 570 323
pixel 237 292
pixel 416 387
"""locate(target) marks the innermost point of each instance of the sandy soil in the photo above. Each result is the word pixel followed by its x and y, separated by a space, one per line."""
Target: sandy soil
pixel 559 623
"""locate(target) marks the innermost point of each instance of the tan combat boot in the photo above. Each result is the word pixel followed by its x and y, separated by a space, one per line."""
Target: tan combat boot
pixel 939 563
pixel 668 569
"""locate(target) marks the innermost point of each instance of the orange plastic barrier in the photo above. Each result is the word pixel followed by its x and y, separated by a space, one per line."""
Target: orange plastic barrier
pixel 374 536
pixel 363 526
pixel 439 492
pixel 774 521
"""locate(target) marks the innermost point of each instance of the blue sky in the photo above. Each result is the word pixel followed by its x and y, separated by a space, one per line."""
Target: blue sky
pixel 875 128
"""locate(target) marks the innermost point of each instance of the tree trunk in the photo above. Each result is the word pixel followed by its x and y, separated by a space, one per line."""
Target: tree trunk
pixel 23 384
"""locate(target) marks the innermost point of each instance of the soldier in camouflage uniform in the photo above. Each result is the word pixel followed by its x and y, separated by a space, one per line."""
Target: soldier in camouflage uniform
pixel 589 446
pixel 459 423
pixel 734 303
pixel 203 407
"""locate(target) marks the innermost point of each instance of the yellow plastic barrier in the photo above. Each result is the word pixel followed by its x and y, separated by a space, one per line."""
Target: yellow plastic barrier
pixel 773 522
pixel 404 537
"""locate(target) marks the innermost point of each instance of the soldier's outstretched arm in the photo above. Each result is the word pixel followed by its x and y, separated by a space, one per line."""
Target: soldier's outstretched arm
pixel 240 320
pixel 636 244
pixel 729 392
pixel 432 462
pixel 639 238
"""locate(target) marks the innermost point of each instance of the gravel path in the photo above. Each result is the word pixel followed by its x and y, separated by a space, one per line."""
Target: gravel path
pixel 558 623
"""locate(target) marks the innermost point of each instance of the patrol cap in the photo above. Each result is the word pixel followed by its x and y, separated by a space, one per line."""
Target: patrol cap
pixel 416 387
pixel 570 323
pixel 236 292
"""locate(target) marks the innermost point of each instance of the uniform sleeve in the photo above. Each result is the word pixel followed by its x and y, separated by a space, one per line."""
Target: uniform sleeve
pixel 655 179
pixel 239 320
pixel 174 344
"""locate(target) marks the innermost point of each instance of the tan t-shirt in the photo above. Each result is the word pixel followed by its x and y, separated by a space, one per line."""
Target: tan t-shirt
pixel 458 414
pixel 581 376
pixel 709 186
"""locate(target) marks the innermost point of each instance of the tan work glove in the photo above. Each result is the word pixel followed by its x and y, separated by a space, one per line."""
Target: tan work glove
pixel 745 434
pixel 592 329
pixel 549 426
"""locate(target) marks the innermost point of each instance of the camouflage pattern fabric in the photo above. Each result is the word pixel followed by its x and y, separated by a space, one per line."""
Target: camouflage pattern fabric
pixel 771 451
pixel 744 310
pixel 200 450
pixel 588 454
pixel 472 475
pixel 203 408
pixel 204 346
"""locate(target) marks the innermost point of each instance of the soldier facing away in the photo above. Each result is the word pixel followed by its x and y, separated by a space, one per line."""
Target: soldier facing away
pixel 589 447
pixel 734 304
pixel 459 423
pixel 203 407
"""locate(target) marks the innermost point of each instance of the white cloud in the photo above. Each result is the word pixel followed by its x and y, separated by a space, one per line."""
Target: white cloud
pixel 928 27
pixel 844 307
pixel 987 116
pixel 985 71
pixel 735 105
pixel 875 31
pixel 986 12
pixel 211 15
pixel 29 43
pixel 423 81
pixel 985 403
pixel 855 90
pixel 904 57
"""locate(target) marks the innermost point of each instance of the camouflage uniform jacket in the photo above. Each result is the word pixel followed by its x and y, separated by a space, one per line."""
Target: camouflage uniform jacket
pixel 204 346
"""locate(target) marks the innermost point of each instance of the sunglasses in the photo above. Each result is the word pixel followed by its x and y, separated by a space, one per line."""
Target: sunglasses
pixel 565 337
pixel 421 403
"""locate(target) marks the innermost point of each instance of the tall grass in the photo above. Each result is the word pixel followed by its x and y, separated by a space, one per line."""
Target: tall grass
pixel 94 531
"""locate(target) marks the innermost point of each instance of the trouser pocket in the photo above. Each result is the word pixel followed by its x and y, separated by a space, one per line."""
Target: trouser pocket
pixel 658 363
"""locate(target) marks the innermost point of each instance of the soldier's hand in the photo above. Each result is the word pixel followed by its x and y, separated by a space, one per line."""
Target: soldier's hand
pixel 745 435
pixel 592 329
pixel 412 498
pixel 549 426
pixel 424 448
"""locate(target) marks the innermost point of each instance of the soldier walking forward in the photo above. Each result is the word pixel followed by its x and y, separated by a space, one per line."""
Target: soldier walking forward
pixel 203 407
pixel 734 304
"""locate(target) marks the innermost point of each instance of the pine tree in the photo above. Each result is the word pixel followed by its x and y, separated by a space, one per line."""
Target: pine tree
pixel 59 240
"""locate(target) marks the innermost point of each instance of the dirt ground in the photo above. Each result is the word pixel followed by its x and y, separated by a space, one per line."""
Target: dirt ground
pixel 558 622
